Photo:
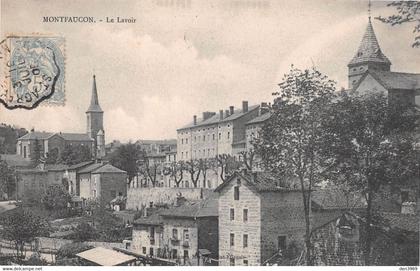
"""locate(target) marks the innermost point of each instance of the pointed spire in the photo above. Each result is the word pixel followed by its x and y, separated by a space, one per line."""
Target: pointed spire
pixel 94 102
pixel 369 49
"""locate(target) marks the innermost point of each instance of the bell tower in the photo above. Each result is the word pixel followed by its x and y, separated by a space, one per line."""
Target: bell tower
pixel 368 57
pixel 95 117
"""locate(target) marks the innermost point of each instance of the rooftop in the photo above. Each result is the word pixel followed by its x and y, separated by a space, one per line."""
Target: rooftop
pixel 207 207
pixel 45 135
pixel 397 80
pixel 105 257
pixel 259 119
pixel 108 168
pixel 369 49
pixel 216 118
pixel 335 198
pixel 264 182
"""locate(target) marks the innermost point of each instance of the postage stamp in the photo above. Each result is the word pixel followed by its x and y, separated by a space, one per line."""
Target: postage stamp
pixel 33 71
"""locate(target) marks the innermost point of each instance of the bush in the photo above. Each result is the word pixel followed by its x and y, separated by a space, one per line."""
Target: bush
pixel 70 250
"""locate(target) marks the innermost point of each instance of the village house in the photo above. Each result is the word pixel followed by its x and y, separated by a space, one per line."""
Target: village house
pixel 185 234
pixel 339 240
pixel 100 181
pixel 258 216
pixel 35 181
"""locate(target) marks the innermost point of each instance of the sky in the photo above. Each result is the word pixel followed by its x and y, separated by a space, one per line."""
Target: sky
pixel 183 57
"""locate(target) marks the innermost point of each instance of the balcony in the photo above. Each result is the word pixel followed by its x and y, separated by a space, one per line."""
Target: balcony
pixel 186 244
pixel 175 241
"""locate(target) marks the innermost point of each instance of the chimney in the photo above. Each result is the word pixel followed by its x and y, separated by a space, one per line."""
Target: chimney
pixel 207 115
pixel 195 119
pixel 227 113
pixel 244 106
pixel 264 108
pixel 231 110
pixel 221 114
pixel 408 208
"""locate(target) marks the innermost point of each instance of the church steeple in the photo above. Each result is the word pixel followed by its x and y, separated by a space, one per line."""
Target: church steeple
pixel 369 56
pixel 95 119
pixel 94 102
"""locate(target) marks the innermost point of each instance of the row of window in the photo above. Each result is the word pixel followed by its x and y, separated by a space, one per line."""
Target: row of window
pixel 232 262
pixel 204 129
pixel 244 215
pixel 185 140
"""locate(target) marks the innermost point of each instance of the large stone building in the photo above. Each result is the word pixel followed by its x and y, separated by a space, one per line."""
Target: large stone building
pixel 215 134
pixel 94 138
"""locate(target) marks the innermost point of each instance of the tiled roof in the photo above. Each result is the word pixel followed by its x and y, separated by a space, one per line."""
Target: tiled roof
pixel 65 136
pixel 397 80
pixel 90 168
pixel 75 137
pixel 259 119
pixel 335 198
pixel 55 167
pixel 154 219
pixel 35 135
pixel 369 49
pixel 320 218
pixel 108 168
pixel 80 165
pixel 205 208
pixel 265 182
pixel 216 118
pixel 407 222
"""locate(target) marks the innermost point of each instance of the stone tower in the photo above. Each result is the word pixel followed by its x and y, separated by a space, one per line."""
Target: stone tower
pixel 95 117
pixel 368 57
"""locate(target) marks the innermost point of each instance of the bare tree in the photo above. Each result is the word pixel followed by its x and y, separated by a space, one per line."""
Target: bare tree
pixel 194 168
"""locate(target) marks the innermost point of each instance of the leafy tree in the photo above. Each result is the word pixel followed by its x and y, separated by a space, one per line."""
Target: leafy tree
pixel 227 164
pixel 36 154
pixel 7 179
pixel 84 232
pixel 56 198
pixel 66 254
pixel 21 226
pixel 289 142
pixel 128 157
pixel 36 260
pixel 248 158
pixel 406 12
pixel 52 156
pixel 72 155
pixel 371 143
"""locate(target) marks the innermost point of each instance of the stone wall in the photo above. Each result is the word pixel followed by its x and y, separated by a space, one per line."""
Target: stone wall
pixel 282 214
pixel 143 196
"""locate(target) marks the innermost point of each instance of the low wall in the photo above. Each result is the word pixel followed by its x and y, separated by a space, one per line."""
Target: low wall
pixel 142 196
pixel 56 243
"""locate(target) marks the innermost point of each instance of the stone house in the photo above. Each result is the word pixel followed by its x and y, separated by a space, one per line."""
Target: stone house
pixel 72 175
pixel 186 234
pixel 102 181
pixel 36 180
pixel 257 218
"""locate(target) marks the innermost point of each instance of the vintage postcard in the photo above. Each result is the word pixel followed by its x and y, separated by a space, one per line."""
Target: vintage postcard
pixel 211 133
